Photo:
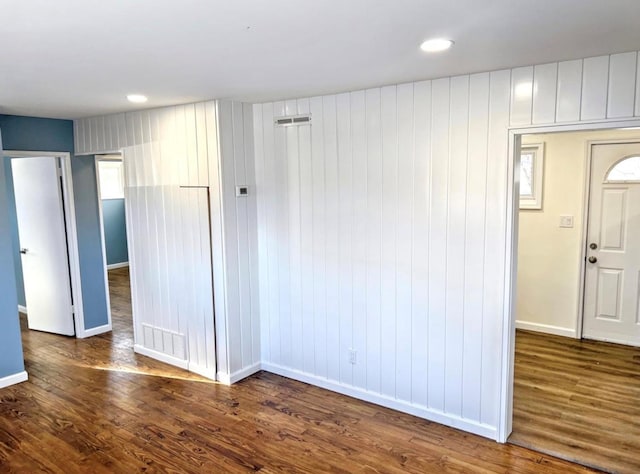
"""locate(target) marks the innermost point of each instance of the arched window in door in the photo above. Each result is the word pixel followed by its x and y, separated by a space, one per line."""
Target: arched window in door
pixel 625 171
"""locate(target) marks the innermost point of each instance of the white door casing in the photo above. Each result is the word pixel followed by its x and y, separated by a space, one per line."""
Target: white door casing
pixel 612 277
pixel 43 243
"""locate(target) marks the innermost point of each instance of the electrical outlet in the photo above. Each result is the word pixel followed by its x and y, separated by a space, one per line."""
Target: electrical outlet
pixel 353 356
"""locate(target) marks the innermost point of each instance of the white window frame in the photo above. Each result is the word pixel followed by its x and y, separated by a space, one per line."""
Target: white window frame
pixel 113 161
pixel 535 200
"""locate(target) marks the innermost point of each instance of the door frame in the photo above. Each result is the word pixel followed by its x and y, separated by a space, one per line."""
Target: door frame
pixel 103 240
pixel 508 338
pixel 71 228
pixel 98 158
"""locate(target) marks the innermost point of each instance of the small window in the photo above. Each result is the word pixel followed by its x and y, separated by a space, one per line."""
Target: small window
pixel 531 175
pixel 111 179
pixel 626 170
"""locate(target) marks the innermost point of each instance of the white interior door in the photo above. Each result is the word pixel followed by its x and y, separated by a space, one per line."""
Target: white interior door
pixel 43 244
pixel 612 286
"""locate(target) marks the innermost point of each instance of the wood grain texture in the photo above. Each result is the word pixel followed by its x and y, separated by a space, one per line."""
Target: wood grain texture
pixel 578 400
pixel 94 406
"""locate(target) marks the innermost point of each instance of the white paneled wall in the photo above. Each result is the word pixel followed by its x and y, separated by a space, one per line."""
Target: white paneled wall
pixel 240 238
pixel 593 89
pixel 382 231
pixel 188 235
pixel 377 233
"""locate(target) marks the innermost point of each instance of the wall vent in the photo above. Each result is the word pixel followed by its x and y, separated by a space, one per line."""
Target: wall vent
pixel 293 120
pixel 165 341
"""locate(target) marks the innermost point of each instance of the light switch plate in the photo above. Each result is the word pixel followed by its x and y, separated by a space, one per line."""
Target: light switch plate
pixel 566 221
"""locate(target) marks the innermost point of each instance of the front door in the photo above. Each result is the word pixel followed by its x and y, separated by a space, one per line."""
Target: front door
pixel 612 285
pixel 43 244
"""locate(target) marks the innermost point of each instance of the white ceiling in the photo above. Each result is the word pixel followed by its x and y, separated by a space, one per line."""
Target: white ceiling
pixel 77 58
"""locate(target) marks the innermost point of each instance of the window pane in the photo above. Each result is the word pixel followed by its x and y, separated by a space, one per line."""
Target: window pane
pixel 526 174
pixel 626 170
pixel 111 182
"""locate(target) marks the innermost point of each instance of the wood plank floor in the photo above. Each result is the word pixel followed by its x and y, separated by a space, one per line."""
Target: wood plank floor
pixel 579 400
pixel 94 406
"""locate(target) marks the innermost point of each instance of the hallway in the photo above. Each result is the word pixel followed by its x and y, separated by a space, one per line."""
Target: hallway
pixel 578 399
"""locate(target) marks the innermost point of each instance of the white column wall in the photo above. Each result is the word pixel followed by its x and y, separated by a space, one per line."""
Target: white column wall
pixel 188 233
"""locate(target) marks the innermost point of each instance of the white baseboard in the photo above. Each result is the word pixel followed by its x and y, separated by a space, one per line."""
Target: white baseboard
pixel 95 331
pixel 22 309
pixel 385 401
pixel 228 379
pixel 13 379
pixel 162 357
pixel 546 328
pixel 113 266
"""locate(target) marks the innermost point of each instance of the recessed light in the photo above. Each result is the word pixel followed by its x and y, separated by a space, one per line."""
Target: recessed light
pixel 436 45
pixel 137 98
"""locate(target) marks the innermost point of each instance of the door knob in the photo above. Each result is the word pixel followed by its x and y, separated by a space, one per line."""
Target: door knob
pixel 593 246
pixel 23 251
pixel 593 259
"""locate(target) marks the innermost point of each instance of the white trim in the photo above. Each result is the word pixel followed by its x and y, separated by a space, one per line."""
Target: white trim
pixel 115 266
pixel 97 330
pixel 385 401
pixel 228 379
pixel 546 328
pixel 131 247
pixel 161 356
pixel 104 245
pixel 511 254
pixel 13 379
pixel 22 309
pixel 216 222
pixel 104 153
pixel 71 227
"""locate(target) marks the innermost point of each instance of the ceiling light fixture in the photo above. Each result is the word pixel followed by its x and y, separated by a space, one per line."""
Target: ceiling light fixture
pixel 436 45
pixel 137 98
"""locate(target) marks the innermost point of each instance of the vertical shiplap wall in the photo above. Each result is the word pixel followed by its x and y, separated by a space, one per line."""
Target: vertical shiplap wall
pixel 237 168
pixel 382 230
pixel 189 237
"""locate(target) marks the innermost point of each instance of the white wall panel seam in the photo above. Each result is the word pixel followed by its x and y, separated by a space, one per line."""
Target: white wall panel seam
pixel 636 82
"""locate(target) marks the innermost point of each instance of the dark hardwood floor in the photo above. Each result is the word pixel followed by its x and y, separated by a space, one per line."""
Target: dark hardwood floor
pixel 94 406
pixel 579 400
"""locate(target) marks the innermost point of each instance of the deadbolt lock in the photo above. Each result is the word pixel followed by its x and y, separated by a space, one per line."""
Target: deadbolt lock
pixel 593 246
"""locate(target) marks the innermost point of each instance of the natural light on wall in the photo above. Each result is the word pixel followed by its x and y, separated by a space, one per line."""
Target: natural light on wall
pixel 111 179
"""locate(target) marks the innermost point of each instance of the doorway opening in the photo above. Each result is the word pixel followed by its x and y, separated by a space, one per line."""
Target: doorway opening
pixel 577 305
pixel 45 240
pixel 110 181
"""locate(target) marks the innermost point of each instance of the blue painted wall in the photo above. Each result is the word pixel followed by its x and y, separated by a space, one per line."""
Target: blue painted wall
pixel 11 361
pixel 85 190
pixel 115 231
pixel 13 220
pixel 38 134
